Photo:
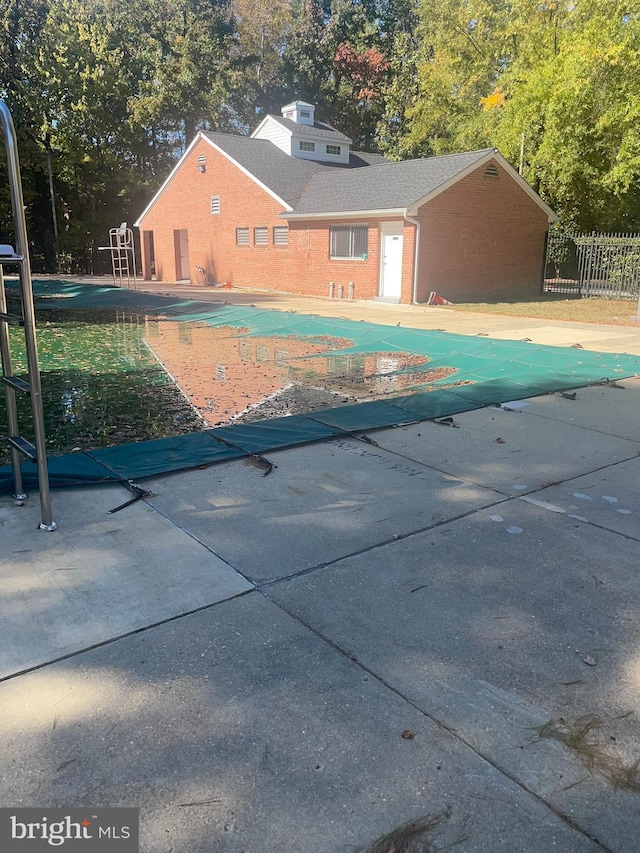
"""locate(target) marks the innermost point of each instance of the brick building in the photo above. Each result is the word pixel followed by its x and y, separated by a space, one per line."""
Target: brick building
pixel 292 208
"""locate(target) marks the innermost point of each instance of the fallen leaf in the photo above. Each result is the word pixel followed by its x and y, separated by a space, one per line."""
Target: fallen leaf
pixel 590 661
pixel 407 734
pixel 500 441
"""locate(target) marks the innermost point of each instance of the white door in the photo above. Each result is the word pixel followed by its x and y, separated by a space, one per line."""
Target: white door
pixel 391 259
pixel 181 239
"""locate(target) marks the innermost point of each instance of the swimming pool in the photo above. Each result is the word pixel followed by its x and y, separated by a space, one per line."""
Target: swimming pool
pixel 127 374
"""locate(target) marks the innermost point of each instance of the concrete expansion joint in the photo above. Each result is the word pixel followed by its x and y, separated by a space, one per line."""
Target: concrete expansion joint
pixel 396 537
pixel 78 652
pixel 580 426
pixel 451 730
pixel 196 539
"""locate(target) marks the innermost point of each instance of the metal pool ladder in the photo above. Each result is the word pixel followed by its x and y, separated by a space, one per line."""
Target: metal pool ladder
pixel 19 257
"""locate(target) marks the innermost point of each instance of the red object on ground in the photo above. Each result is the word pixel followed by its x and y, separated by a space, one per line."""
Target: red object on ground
pixel 434 299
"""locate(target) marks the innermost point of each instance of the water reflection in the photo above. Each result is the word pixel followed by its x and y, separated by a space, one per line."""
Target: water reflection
pixel 101 384
pixel 111 377
pixel 229 375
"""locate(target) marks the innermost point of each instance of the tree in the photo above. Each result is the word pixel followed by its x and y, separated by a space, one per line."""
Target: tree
pixel 263 30
pixel 115 92
pixel 20 25
pixel 576 97
pixel 463 51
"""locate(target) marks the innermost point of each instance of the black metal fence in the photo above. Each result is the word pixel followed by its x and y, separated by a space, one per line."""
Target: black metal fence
pixel 593 264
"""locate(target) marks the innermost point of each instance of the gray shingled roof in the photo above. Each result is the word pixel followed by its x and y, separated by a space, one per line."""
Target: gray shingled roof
pixel 391 186
pixel 319 128
pixel 286 176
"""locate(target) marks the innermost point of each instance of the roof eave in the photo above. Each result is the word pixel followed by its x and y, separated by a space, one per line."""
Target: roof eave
pixel 155 198
pixel 345 214
pixel 221 151
pixel 246 172
pixel 492 154
pixel 551 214
pixel 445 185
pixel 264 121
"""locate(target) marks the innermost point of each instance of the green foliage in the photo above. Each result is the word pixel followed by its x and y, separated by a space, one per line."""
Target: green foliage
pixel 109 94
pixel 113 92
pixel 564 74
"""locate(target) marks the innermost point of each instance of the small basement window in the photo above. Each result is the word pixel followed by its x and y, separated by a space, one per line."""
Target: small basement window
pixel 306 146
pixel 491 171
pixel 333 149
pixel 242 236
pixel 215 205
pixel 348 242
pixel 261 236
pixel 280 235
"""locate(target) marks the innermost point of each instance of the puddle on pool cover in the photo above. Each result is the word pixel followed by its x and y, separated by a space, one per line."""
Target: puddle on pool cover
pixel 230 375
pixel 111 377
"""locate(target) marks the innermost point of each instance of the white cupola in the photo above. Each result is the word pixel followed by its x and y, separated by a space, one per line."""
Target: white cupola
pixel 299 111
pixel 299 135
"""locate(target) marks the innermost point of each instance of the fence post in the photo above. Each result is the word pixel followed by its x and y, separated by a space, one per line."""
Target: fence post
pixel 589 263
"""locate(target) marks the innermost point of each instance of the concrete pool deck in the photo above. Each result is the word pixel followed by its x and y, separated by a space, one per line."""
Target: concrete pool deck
pixel 445 624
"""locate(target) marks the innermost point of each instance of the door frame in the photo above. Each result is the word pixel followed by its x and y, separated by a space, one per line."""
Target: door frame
pixel 390 229
pixel 180 235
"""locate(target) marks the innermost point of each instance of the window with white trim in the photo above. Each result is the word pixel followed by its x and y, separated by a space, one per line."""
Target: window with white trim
pixel 215 205
pixel 306 146
pixel 305 113
pixel 242 236
pixel 348 242
pixel 280 235
pixel 261 236
pixel 334 149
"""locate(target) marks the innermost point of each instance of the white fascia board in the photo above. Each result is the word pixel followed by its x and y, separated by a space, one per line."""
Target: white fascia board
pixel 346 214
pixel 246 172
pixel 259 127
pixel 552 216
pixel 269 120
pixel 136 224
pixel 298 104
pixel 224 154
pixel 490 155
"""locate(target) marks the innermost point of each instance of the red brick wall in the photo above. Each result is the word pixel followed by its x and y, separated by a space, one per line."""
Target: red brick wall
pixel 312 269
pixel 481 239
pixel 186 204
pixel 303 266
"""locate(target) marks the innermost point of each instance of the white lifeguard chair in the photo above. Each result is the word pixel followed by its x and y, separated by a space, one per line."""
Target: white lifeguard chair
pixel 123 257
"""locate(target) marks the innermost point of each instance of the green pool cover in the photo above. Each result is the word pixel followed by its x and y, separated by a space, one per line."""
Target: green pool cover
pixel 486 372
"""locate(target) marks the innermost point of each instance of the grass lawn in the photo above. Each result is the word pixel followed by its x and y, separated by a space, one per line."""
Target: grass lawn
pixel 617 312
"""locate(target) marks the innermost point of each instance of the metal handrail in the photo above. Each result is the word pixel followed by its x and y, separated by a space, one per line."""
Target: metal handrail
pixel 26 292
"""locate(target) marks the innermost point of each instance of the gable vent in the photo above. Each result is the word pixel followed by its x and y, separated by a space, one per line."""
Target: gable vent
pixel 491 171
